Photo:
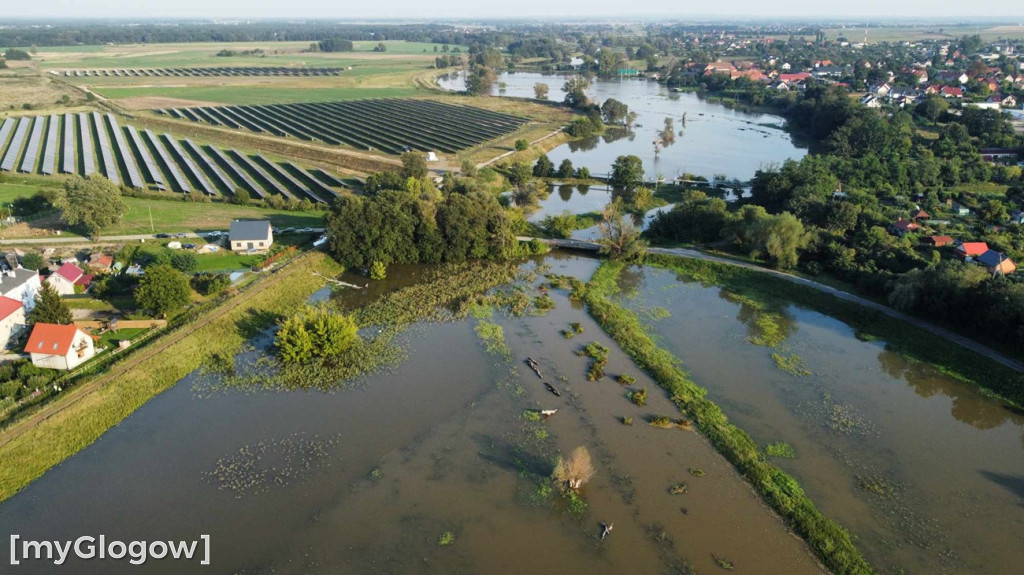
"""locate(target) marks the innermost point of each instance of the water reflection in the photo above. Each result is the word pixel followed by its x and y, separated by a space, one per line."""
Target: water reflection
pixel 969 406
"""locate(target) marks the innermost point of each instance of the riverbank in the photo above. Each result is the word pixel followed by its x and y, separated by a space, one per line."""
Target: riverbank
pixel 63 428
pixel 829 540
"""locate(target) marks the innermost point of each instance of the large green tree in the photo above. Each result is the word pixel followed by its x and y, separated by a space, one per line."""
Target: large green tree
pixel 49 308
pixel 627 172
pixel 92 202
pixel 162 290
pixel 620 237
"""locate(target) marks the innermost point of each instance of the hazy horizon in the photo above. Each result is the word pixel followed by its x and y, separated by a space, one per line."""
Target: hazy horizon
pixel 880 10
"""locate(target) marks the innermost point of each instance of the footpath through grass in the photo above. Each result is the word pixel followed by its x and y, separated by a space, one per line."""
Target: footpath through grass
pixel 829 540
pixel 86 412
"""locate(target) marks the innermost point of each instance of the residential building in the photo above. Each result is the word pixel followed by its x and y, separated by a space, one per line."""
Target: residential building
pixel 100 262
pixel 937 241
pixel 20 284
pixel 12 320
pixel 996 262
pixel 251 235
pixel 57 346
pixel 902 227
pixel 967 251
pixel 63 280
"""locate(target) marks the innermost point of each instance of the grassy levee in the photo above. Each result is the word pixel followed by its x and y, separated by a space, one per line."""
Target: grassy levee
pixel 908 340
pixel 79 418
pixel 829 540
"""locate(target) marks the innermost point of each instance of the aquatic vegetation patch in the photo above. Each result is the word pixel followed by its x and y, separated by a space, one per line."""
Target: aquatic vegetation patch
pixel 542 304
pixel 598 355
pixel 638 396
pixel 791 363
pixel 265 465
pixel 679 489
pixel 833 544
pixel 780 449
pixel 624 379
pixel 627 421
pixel 876 484
pixel 447 538
pixel 493 338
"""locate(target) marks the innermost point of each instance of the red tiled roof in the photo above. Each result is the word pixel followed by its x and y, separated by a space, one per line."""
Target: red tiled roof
pixel 69 271
pixel 85 280
pixel 972 248
pixel 51 339
pixel 8 306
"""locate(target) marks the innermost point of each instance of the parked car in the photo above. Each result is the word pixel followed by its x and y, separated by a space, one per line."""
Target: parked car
pixel 180 235
pixel 189 246
pixel 162 236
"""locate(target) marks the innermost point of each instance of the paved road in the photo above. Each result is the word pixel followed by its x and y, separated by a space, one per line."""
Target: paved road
pixel 65 240
pixel 958 339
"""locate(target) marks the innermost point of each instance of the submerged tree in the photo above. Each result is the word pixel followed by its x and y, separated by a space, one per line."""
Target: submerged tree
pixel 576 470
pixel 540 91
pixel 620 238
pixel 314 331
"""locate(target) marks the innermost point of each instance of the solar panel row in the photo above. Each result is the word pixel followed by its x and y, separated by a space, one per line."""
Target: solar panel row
pixel 5 132
pixel 153 174
pixel 28 161
pixel 211 168
pixel 106 153
pixel 50 154
pixel 67 163
pixel 125 153
pixel 239 173
pixel 14 149
pixel 190 166
pixel 179 180
pixel 85 134
pixel 218 71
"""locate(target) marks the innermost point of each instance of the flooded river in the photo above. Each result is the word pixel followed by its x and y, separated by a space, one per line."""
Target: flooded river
pixel 713 139
pixel 927 473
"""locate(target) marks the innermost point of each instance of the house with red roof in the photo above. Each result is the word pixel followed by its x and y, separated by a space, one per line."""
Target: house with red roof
pixel 951 92
pixel 56 346
pixel 902 226
pixel 100 262
pixel 63 280
pixel 12 320
pixel 967 251
pixel 937 241
pixel 921 215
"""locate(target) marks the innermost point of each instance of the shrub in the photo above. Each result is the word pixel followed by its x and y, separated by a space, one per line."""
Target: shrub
pixel 522 145
pixel 378 271
pixel 638 396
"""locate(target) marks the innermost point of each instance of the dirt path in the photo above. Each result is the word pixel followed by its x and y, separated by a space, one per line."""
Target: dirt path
pixel 119 368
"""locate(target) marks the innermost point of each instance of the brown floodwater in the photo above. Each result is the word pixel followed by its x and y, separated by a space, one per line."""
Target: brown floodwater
pixel 367 479
pixel 927 472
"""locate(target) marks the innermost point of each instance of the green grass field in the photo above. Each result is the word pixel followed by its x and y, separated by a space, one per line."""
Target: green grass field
pixel 176 215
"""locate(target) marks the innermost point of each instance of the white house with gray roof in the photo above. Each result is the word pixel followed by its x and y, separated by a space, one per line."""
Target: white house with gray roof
pixel 250 236
pixel 20 284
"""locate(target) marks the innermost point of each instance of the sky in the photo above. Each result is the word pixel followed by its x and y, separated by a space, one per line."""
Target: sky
pixel 1011 10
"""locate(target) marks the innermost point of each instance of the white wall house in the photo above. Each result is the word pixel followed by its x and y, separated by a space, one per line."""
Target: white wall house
pixel 59 346
pixel 251 236
pixel 20 284
pixel 63 280
pixel 12 320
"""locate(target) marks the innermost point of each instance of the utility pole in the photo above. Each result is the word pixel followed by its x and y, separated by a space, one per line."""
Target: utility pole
pixel 151 228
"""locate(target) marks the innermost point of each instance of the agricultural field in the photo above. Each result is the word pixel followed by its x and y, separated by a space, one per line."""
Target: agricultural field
pixel 389 125
pixel 91 143
pixel 202 71
pixel 924 32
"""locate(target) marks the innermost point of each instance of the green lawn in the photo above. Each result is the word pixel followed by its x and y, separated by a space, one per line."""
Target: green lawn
pixel 89 304
pixel 110 338
pixel 403 47
pixel 254 94
pixel 11 192
pixel 181 216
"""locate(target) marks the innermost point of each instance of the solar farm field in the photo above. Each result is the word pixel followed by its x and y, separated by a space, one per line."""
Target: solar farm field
pixel 90 143
pixel 389 125
pixel 215 71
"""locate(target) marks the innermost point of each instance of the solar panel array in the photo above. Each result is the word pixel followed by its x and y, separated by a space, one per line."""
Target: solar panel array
pixel 13 149
pixel 218 71
pixel 67 163
pixel 106 153
pixel 50 155
pixel 85 134
pixel 141 158
pixel 153 174
pixel 190 166
pixel 28 162
pixel 179 180
pixel 125 153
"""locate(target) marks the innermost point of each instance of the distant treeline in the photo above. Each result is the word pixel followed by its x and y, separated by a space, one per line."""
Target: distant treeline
pixel 91 34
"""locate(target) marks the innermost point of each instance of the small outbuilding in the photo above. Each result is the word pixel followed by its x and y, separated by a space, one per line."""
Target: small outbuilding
pixel 937 241
pixel 251 236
